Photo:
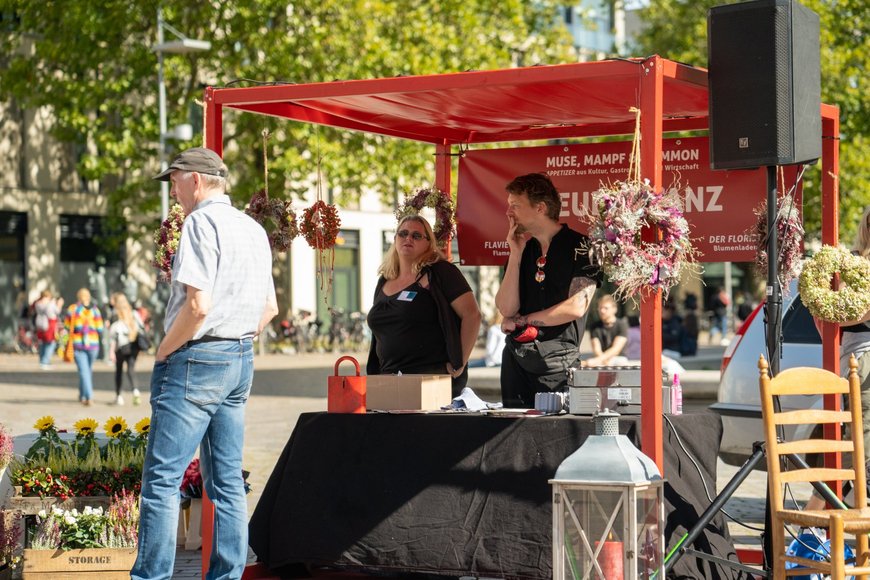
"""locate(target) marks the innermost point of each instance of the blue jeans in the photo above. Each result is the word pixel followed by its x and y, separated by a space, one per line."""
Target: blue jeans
pixel 45 350
pixel 85 365
pixel 198 397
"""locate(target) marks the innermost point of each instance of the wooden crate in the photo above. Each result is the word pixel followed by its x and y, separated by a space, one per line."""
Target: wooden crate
pixel 30 506
pixel 97 563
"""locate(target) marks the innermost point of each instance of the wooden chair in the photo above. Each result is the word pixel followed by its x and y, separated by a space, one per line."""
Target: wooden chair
pixel 856 522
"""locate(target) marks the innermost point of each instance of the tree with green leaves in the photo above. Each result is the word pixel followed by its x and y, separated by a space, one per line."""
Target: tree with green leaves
pixel 91 64
pixel 677 29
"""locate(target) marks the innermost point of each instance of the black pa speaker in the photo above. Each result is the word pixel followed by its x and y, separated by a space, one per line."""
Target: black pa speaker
pixel 764 84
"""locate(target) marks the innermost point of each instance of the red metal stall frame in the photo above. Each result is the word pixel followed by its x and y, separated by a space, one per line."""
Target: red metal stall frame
pixel 526 104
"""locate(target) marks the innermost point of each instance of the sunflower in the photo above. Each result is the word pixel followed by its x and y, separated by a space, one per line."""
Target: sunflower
pixel 143 426
pixel 44 424
pixel 86 426
pixel 115 426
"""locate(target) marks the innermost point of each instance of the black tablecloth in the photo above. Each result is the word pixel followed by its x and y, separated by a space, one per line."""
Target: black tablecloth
pixel 454 494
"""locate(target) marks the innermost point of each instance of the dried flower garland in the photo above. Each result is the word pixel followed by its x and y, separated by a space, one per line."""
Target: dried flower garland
pixel 848 303
pixel 789 236
pixel 277 218
pixel 320 224
pixel 442 203
pixel 620 213
pixel 166 239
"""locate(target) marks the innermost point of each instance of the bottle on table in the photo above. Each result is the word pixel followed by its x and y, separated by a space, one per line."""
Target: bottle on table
pixel 676 396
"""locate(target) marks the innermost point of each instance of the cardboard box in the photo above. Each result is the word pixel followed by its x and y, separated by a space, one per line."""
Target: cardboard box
pixel 407 392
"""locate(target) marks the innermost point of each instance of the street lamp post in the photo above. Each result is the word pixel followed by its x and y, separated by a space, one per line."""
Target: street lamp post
pixel 181 46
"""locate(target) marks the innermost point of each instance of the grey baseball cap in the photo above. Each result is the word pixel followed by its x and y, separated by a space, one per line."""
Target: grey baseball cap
pixel 197 159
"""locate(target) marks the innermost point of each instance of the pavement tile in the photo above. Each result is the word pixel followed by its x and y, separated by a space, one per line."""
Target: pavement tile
pixel 284 387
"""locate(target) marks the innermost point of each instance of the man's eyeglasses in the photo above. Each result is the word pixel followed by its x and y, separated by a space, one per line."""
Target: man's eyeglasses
pixel 416 236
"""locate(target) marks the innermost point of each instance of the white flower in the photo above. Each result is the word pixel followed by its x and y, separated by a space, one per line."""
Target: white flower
pixel 71 521
pixel 42 514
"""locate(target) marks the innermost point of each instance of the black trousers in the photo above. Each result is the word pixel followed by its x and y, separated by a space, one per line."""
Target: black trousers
pixel 125 356
pixel 535 367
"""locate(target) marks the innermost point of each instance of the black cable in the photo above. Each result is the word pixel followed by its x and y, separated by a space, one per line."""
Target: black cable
pixel 703 479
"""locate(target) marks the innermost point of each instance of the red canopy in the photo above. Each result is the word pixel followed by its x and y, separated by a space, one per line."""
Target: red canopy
pixel 533 103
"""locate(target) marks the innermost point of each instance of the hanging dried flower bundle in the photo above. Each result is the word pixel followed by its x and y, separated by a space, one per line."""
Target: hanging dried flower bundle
pixel 277 218
pixel 619 215
pixel 320 225
pixel 789 237
pixel 166 239
pixel 444 227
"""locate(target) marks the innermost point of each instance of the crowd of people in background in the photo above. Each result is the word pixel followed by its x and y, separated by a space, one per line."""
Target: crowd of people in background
pixel 612 339
pixel 86 332
pixel 681 326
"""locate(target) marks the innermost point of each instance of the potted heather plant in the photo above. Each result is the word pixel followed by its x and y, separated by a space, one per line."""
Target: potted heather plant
pixel 10 552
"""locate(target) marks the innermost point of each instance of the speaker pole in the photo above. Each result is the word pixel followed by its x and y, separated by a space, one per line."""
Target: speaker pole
pixel 773 307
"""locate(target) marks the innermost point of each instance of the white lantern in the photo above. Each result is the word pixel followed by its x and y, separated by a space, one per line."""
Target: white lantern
pixel 608 510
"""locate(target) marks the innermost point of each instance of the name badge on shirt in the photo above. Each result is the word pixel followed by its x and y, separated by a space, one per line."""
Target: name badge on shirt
pixel 406 296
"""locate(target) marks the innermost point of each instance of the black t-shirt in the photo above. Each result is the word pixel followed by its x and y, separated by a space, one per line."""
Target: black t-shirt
pixel 406 327
pixel 606 334
pixel 567 259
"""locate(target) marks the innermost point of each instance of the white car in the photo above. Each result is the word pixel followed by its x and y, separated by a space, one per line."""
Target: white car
pixel 738 400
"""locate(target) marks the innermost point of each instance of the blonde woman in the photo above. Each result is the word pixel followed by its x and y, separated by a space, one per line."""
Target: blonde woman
pixel 84 323
pixel 123 348
pixel 424 318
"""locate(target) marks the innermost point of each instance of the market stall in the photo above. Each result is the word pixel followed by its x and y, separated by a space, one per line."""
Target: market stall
pixel 536 103
pixel 646 97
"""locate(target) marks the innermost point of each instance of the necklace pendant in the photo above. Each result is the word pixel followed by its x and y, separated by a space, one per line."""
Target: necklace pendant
pixel 539 276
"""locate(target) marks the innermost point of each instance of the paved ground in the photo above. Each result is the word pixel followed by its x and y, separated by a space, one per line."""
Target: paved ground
pixel 284 387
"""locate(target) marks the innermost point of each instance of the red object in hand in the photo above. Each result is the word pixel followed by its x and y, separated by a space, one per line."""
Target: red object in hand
pixel 525 334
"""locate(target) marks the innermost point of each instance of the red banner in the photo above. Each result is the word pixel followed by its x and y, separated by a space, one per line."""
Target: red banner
pixel 719 205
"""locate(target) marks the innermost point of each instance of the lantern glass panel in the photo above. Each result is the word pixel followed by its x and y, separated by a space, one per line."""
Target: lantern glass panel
pixel 590 517
pixel 611 532
pixel 649 533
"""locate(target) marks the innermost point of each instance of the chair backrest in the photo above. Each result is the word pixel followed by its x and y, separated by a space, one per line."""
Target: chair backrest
pixel 812 381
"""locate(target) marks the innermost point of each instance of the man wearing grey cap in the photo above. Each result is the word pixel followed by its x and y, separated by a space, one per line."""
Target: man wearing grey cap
pixel 222 296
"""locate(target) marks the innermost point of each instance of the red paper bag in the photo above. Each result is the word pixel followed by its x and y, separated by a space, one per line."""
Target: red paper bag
pixel 346 394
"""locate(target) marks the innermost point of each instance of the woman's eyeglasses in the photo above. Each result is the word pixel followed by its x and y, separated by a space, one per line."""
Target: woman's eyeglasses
pixel 416 236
